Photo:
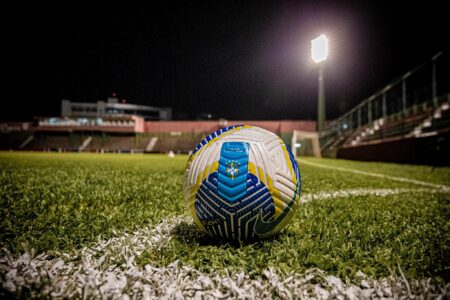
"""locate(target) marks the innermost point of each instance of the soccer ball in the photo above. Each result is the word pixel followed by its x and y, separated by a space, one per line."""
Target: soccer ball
pixel 242 182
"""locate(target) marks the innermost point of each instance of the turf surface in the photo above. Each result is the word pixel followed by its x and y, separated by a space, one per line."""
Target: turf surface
pixel 342 236
pixel 63 202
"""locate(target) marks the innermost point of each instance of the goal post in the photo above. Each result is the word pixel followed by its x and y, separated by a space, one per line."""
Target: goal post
pixel 305 144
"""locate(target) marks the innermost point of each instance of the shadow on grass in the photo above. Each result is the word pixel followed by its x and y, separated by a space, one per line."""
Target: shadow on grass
pixel 189 233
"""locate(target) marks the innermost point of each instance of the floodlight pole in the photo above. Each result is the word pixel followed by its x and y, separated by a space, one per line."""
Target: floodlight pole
pixel 434 82
pixel 321 116
pixel 319 53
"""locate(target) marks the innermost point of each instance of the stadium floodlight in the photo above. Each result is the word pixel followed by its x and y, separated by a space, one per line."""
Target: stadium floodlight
pixel 319 48
pixel 319 53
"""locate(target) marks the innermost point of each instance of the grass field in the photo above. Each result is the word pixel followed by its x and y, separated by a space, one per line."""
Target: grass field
pixel 77 225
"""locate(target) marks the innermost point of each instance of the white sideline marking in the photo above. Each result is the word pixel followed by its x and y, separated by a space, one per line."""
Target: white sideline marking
pixel 363 192
pixel 102 271
pixel 109 270
pixel 401 179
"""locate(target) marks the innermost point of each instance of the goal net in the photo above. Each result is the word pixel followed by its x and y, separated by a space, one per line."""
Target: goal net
pixel 305 144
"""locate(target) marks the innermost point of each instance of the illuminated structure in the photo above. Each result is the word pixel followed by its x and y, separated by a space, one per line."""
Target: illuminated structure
pixel 112 108
pixel 319 53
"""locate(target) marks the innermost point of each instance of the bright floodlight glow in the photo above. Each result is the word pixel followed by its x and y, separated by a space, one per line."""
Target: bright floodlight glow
pixel 319 48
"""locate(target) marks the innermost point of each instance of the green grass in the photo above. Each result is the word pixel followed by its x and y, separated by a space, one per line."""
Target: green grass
pixel 316 180
pixel 66 201
pixel 431 174
pixel 341 236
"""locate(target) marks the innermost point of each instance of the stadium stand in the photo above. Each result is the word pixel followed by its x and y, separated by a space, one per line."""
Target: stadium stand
pixel 93 135
pixel 53 142
pixel 411 114
pixel 408 121
pixel 13 140
pixel 381 130
pixel 177 141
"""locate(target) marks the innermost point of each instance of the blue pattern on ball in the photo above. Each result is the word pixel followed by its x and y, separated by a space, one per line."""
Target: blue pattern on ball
pixel 233 219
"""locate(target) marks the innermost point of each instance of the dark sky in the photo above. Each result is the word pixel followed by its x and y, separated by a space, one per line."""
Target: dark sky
pixel 234 59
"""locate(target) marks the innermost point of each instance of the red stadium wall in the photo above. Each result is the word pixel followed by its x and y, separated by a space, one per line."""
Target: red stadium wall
pixel 181 126
pixel 139 124
pixel 210 126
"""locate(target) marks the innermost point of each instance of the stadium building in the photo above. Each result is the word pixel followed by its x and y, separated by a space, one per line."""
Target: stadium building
pixel 406 121
pixel 111 108
pixel 112 126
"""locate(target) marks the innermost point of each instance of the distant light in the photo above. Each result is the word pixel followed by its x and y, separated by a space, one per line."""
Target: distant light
pixel 319 49
pixel 298 145
pixel 445 106
pixel 83 121
pixel 345 126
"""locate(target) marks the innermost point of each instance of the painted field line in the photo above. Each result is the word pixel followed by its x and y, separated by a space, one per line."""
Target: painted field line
pixel 363 192
pixel 106 270
pixel 109 270
pixel 400 179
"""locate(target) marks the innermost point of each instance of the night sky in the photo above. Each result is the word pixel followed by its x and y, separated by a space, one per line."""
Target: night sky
pixel 231 59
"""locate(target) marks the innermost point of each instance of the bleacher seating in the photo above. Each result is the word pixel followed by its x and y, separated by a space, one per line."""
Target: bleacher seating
pixel 440 120
pixel 179 143
pixel 51 143
pixel 44 141
pixel 117 143
pixel 414 124
pixel 13 140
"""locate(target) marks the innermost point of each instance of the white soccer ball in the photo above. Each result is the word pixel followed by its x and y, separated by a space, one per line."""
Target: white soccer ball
pixel 242 182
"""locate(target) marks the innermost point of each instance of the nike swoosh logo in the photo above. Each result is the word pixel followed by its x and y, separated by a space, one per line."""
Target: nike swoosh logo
pixel 262 228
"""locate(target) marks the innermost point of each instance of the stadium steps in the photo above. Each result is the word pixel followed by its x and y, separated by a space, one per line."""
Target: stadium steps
pixel 383 129
pixel 166 144
pixel 86 143
pixel 121 144
pixel 438 122
pixel 12 140
pixel 98 143
pixel 151 144
pixel 178 143
pixel 51 143
pixel 141 142
pixel 28 140
pixel 420 124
